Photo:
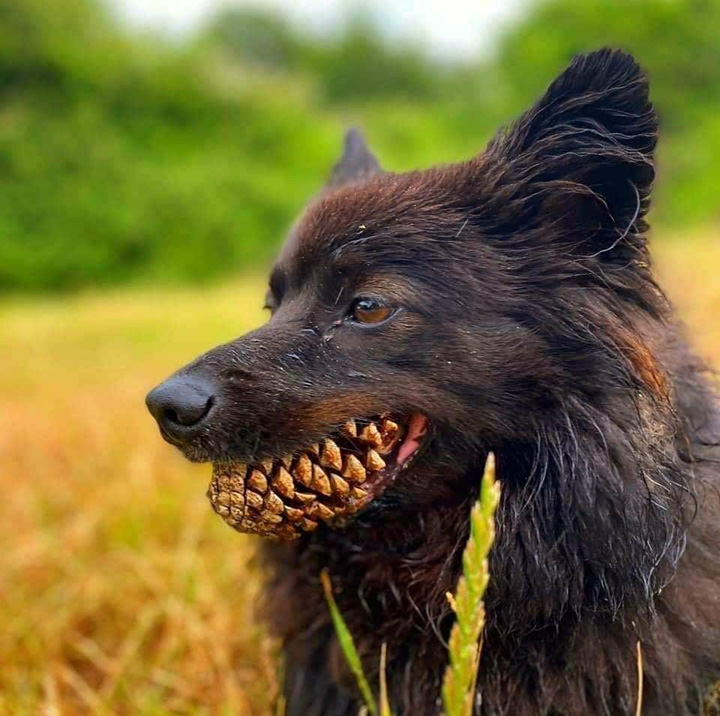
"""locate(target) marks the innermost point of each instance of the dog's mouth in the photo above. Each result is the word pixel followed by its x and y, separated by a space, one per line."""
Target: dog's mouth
pixel 326 482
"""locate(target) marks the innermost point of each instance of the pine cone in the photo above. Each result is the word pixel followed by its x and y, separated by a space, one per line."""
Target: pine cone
pixel 283 498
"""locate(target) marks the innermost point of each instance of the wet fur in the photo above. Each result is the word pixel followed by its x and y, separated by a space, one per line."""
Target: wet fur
pixel 531 326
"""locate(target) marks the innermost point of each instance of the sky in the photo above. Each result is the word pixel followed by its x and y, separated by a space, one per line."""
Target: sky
pixel 450 27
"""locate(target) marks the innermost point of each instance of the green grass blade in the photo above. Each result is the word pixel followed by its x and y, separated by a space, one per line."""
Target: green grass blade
pixel 465 643
pixel 348 645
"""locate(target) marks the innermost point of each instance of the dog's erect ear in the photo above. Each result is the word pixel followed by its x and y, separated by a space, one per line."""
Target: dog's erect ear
pixel 357 162
pixel 582 157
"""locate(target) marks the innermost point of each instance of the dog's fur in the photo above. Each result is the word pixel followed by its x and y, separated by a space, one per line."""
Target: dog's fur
pixel 529 324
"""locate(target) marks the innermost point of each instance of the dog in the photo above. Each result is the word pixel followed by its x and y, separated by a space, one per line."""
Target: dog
pixel 419 322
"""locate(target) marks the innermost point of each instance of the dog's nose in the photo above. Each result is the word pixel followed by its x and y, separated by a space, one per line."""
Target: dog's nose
pixel 180 405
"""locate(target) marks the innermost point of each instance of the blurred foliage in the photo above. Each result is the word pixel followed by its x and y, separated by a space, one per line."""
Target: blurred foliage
pixel 124 157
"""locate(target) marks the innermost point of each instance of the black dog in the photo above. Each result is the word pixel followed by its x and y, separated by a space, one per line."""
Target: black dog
pixel 505 303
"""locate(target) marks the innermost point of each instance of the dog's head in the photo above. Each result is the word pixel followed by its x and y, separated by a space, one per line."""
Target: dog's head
pixel 420 319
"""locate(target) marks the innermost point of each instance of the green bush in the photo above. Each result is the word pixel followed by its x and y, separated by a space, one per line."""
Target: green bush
pixel 126 158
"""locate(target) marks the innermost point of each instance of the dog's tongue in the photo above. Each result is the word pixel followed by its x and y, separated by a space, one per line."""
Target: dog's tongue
pixel 416 431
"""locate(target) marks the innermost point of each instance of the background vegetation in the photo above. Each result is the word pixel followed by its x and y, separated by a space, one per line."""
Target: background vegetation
pixel 127 160
pixel 124 158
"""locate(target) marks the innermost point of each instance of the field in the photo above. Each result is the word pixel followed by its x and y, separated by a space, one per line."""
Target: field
pixel 120 592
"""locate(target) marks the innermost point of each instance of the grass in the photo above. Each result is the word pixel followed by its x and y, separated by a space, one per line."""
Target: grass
pixel 120 592
pixel 465 642
pixel 347 644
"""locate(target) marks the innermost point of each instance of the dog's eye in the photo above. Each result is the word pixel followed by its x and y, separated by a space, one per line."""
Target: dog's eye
pixel 370 310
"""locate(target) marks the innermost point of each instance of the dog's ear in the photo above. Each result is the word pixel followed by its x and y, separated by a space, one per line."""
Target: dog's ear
pixel 582 158
pixel 357 162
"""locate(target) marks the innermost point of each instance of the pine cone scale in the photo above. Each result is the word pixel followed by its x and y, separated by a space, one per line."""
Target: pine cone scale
pixel 326 482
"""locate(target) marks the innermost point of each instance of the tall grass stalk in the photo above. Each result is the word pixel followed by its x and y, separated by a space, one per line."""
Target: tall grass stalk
pixel 458 691
pixel 384 700
pixel 348 645
pixel 638 709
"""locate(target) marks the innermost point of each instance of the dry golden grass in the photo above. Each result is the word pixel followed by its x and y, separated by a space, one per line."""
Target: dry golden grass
pixel 120 592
